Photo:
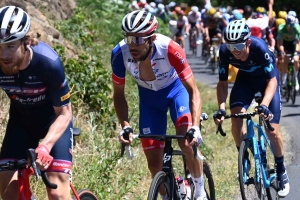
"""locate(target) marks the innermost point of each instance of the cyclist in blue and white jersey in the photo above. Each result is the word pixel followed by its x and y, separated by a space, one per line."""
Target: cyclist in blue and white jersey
pixel 32 76
pixel 165 82
pixel 257 73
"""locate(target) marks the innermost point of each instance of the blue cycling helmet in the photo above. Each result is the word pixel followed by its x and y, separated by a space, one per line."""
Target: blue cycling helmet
pixel 237 31
pixel 290 19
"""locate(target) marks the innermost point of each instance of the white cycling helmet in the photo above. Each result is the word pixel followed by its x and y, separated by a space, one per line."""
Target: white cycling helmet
pixel 139 22
pixel 194 9
pixel 153 4
pixel 293 13
pixel 161 6
pixel 237 31
pixel 290 19
pixel 15 24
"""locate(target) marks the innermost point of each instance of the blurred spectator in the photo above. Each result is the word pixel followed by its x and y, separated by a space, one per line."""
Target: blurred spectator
pixel 142 3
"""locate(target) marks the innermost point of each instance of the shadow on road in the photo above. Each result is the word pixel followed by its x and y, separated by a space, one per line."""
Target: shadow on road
pixel 291 115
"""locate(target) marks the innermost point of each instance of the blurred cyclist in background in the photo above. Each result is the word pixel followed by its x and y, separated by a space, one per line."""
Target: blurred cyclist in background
pixel 288 42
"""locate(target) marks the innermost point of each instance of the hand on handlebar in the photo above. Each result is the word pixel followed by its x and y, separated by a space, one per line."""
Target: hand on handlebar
pixel 44 159
pixel 196 135
pixel 264 111
pixel 126 135
pixel 219 116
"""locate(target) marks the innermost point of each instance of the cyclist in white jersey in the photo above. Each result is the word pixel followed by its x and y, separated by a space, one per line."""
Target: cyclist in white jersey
pixel 194 17
pixel 165 82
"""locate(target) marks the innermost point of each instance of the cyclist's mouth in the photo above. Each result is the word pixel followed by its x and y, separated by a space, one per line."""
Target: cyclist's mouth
pixel 135 54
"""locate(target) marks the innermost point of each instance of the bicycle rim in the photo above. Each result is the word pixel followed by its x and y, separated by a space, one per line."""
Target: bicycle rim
pixel 159 178
pixel 249 188
pixel 293 89
pixel 209 184
pixel 86 194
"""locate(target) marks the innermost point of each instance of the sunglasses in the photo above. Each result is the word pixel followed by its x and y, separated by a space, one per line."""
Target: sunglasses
pixel 238 46
pixel 136 40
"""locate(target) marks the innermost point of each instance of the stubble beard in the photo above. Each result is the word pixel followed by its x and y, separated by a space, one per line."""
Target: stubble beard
pixel 14 68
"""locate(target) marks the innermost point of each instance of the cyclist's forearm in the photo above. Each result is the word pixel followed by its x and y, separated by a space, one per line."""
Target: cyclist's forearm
pixel 59 126
pixel 121 108
pixel 196 107
pixel 270 91
pixel 222 92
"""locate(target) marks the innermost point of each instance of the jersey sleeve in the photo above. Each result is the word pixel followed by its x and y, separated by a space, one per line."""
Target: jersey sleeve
pixel 57 84
pixel 267 60
pixel 280 31
pixel 223 63
pixel 177 59
pixel 297 28
pixel 118 67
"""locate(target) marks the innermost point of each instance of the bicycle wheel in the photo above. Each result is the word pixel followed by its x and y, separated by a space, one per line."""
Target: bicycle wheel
pixel 85 194
pixel 159 179
pixel 209 185
pixel 292 88
pixel 194 44
pixel 249 187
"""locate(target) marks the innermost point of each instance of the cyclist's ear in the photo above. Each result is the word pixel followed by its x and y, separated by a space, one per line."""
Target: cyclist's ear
pixel 153 37
pixel 248 42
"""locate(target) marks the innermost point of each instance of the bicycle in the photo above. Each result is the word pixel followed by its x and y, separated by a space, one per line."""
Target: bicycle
pixel 214 54
pixel 290 90
pixel 260 183
pixel 193 42
pixel 25 171
pixel 167 175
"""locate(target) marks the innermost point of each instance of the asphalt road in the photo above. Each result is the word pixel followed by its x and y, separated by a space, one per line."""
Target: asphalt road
pixel 290 119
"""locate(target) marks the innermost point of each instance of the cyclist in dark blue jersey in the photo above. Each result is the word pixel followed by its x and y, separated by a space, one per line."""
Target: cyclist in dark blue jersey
pixel 257 73
pixel 32 76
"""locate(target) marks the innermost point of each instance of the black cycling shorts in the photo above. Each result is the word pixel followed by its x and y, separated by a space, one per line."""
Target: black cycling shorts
pixel 23 134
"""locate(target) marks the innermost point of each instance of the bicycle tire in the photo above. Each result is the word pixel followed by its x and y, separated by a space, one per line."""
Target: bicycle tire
pixel 85 194
pixel 293 89
pixel 159 178
pixel 253 189
pixel 207 176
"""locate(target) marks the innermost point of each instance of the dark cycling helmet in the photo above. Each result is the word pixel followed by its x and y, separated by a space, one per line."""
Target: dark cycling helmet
pixel 139 22
pixel 237 31
pixel 15 24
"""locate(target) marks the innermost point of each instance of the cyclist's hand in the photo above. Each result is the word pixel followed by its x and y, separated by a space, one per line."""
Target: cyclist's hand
pixel 264 111
pixel 207 39
pixel 219 116
pixel 126 135
pixel 44 159
pixel 197 137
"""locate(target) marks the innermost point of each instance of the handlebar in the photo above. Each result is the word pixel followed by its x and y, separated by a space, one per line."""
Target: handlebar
pixel 243 116
pixel 23 164
pixel 130 155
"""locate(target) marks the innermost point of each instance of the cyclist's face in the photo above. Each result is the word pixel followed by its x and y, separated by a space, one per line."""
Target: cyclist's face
pixel 11 57
pixel 243 54
pixel 139 51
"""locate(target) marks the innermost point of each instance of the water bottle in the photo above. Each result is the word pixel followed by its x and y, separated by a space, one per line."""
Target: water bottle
pixel 188 190
pixel 181 185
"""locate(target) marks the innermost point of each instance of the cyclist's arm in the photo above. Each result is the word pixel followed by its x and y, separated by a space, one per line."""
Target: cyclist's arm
pixel 56 130
pixel 222 93
pixel 270 91
pixel 120 104
pixel 270 6
pixel 195 99
pixel 58 89
pixel 177 59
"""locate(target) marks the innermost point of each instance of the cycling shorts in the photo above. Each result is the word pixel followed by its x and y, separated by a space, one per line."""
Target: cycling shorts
pixel 246 86
pixel 154 106
pixel 290 47
pixel 21 135
pixel 213 33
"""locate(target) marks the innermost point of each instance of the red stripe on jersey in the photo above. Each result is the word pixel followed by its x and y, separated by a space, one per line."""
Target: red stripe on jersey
pixel 117 80
pixel 178 60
